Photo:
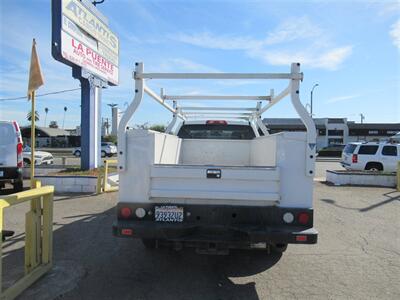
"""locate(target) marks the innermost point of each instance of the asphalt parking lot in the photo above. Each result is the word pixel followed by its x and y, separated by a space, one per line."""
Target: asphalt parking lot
pixel 357 256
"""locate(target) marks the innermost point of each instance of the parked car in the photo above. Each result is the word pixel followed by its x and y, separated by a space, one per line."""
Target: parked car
pixel 107 149
pixel 41 157
pixel 333 150
pixel 371 156
pixel 11 162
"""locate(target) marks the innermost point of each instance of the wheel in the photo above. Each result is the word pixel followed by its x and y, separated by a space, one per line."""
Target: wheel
pixel 374 167
pixel 18 186
pixel 278 248
pixel 149 243
pixel 103 154
pixel 77 153
pixel 27 162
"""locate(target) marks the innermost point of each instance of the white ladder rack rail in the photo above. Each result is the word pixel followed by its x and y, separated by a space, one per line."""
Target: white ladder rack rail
pixel 253 115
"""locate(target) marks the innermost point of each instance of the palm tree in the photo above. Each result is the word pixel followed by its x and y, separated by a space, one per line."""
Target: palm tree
pixel 65 110
pixel 29 116
pixel 46 110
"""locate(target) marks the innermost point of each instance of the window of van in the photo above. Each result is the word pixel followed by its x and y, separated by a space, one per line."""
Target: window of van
pixel 7 135
pixel 389 150
pixel 368 149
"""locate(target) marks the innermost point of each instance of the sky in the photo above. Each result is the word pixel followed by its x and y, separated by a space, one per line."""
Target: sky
pixel 351 49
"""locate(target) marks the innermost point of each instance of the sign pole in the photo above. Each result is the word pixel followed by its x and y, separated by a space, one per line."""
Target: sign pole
pixel 33 142
pixel 91 90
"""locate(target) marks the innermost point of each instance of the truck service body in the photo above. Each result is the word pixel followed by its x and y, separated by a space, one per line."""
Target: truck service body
pixel 217 179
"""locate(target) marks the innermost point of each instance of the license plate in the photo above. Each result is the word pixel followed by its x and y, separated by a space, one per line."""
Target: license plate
pixel 1 173
pixel 168 214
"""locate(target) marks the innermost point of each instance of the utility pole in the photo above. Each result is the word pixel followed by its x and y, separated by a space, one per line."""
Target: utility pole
pixel 312 90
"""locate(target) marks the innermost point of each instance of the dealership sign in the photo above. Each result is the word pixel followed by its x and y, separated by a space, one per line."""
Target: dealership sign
pixel 81 37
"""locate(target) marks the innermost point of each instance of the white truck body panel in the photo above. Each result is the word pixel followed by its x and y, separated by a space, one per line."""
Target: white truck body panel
pixel 267 170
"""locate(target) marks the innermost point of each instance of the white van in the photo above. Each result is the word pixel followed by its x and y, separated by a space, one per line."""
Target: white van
pixel 371 156
pixel 11 160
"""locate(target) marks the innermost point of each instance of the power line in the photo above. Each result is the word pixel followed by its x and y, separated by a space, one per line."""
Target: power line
pixel 41 95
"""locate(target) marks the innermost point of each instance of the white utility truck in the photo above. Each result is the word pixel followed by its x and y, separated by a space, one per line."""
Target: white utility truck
pixel 216 179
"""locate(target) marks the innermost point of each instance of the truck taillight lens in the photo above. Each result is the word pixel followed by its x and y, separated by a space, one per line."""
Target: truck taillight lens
pixel 19 156
pixel 125 212
pixel 354 158
pixel 301 238
pixel 126 231
pixel 303 218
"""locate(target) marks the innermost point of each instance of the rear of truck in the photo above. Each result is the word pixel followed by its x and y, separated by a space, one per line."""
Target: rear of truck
pixel 187 188
pixel 11 160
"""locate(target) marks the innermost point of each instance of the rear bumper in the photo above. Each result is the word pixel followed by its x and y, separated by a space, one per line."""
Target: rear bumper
pixel 345 165
pixel 219 223
pixel 11 174
pixel 220 233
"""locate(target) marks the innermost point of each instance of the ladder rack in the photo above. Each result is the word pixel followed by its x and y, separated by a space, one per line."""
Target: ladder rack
pixel 251 114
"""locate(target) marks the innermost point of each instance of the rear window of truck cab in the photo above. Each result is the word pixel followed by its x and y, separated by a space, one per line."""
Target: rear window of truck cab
pixel 216 132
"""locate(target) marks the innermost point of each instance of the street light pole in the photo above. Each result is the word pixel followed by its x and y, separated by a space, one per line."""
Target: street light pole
pixel 312 90
pixel 362 118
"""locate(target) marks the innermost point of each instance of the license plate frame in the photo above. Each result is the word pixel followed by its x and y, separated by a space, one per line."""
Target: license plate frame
pixel 168 213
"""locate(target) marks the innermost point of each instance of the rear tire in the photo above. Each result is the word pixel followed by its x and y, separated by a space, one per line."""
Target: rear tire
pixel 149 243
pixel 278 248
pixel 103 154
pixel 374 166
pixel 18 186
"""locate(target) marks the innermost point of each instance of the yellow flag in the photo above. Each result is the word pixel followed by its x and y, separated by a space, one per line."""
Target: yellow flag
pixel 35 74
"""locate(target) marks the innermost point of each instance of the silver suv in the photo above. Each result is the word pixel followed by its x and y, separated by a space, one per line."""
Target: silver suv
pixel 371 156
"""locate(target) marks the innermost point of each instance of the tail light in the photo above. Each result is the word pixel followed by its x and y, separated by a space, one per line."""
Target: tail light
pixel 354 159
pixel 303 218
pixel 20 161
pixel 216 122
pixel 301 238
pixel 125 212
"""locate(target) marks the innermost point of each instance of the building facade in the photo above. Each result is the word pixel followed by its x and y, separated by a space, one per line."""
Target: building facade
pixel 50 137
pixel 334 131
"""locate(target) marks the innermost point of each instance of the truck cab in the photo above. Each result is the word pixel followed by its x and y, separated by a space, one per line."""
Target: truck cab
pixel 216 180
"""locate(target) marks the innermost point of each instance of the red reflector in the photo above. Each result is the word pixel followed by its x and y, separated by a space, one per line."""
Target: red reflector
pixel 354 158
pixel 217 122
pixel 19 156
pixel 303 218
pixel 126 231
pixel 126 212
pixel 301 238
